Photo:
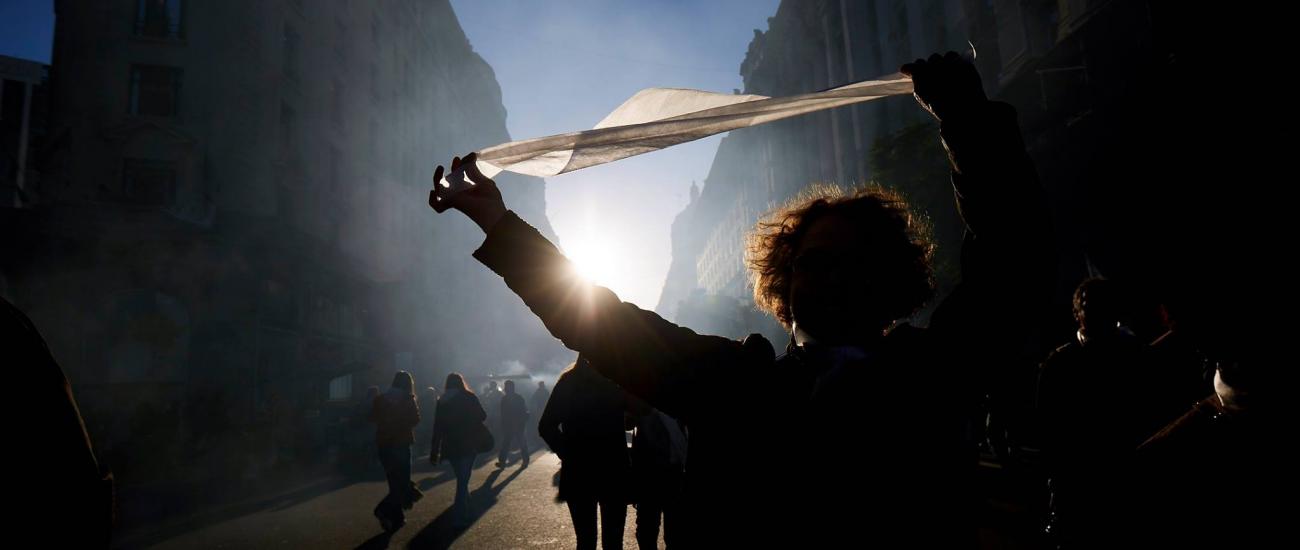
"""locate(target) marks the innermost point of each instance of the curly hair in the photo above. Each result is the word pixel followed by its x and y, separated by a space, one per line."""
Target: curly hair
pixel 898 240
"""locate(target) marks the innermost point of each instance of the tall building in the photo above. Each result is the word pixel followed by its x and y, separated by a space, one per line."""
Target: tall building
pixel 1100 87
pixel 231 228
pixel 808 46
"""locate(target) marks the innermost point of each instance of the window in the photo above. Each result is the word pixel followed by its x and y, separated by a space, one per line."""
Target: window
pixel 154 90
pixel 290 53
pixel 148 182
pixel 341 388
pixel 159 19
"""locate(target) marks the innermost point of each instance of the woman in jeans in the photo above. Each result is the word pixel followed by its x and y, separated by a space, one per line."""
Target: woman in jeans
pixel 458 418
pixel 395 414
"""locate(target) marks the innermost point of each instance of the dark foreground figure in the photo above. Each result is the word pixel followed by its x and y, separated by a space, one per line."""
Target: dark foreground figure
pixel 658 458
pixel 840 270
pixel 1224 474
pixel 583 424
pixel 61 495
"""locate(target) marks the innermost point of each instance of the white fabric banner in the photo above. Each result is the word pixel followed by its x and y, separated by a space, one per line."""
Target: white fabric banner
pixel 656 118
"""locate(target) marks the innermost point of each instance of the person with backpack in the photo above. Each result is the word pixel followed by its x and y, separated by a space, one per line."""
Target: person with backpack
pixel 658 474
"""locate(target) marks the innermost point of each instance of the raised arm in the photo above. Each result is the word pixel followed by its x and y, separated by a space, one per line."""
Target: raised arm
pixel 1007 259
pixel 640 351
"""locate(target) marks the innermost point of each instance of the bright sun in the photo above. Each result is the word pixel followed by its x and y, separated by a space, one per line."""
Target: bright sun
pixel 591 257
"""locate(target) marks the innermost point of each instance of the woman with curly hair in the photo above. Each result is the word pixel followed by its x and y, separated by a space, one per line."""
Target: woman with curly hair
pixel 842 271
pixel 851 262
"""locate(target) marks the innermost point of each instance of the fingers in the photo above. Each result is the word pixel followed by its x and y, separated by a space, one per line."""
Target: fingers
pixel 935 60
pixel 910 69
pixel 471 168
pixel 939 67
pixel 435 201
pixel 440 194
pixel 959 64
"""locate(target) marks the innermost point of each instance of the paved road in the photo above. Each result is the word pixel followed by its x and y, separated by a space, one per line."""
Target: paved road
pixel 514 508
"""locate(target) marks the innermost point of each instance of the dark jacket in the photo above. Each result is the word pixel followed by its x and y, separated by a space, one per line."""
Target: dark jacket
pixel 583 424
pixel 60 487
pixel 1212 480
pixel 1185 374
pixel 1088 405
pixel 395 415
pixel 915 483
pixel 1098 401
pixel 456 418
pixel 539 399
pixel 657 459
pixel 514 412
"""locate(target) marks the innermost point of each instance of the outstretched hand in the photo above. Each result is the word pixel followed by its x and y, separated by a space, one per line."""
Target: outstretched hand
pixel 480 202
pixel 947 86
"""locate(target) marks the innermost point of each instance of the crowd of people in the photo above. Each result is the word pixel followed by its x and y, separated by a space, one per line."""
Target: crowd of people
pixel 843 270
pixel 1155 439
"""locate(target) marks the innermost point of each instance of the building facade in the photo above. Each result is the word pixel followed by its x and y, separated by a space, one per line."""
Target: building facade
pixel 229 238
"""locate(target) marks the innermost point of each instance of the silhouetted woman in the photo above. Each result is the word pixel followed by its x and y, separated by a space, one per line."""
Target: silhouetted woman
pixel 458 423
pixel 583 424
pixel 395 414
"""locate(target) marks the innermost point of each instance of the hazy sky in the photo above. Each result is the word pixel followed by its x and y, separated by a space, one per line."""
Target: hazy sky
pixel 563 65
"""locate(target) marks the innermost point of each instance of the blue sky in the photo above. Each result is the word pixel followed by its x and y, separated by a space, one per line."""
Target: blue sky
pixel 563 65
pixel 27 29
